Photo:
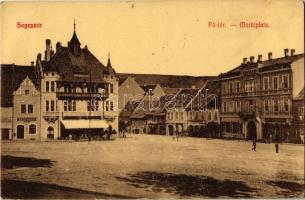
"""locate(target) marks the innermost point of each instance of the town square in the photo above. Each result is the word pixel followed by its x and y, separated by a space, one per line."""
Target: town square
pixel 150 166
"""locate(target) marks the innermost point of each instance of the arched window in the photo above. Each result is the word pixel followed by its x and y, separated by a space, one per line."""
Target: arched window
pixel 32 129
pixel 50 132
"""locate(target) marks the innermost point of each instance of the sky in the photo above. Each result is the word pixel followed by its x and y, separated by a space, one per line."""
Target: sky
pixel 156 37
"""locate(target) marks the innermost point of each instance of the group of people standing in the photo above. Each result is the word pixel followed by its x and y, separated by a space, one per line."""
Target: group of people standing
pixel 254 146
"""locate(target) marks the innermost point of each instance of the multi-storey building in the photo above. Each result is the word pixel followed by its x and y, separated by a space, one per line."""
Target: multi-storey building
pixel 20 103
pixel 256 96
pixel 194 111
pixel 298 118
pixel 69 92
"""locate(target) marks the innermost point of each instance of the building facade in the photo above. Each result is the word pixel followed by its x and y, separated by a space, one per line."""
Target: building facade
pixel 68 92
pixel 256 97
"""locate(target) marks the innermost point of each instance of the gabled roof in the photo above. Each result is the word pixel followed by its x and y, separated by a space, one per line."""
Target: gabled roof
pixel 146 88
pixel 11 78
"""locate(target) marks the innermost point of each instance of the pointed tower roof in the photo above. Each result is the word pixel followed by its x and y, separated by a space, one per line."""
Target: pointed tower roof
pixel 74 40
pixel 109 69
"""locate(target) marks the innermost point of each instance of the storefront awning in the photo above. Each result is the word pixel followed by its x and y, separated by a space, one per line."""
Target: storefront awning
pixel 84 124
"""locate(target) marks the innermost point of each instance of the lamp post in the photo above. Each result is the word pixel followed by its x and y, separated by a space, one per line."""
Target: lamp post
pixel 103 97
pixel 206 99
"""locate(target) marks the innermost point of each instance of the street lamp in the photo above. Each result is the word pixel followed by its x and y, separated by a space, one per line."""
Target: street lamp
pixel 206 98
pixel 103 97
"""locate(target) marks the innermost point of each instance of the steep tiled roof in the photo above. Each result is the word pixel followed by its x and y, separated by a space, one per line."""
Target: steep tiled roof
pixel 129 108
pixel 11 78
pixel 146 88
pixel 170 91
pixel 211 89
pixel 68 65
pixel 172 81
pixel 183 97
pixel 153 106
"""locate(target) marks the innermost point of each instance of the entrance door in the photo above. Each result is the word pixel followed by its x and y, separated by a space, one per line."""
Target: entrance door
pixel 50 133
pixel 170 129
pixel 20 132
pixel 251 130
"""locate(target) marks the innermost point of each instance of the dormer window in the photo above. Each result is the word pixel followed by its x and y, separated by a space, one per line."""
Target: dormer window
pixel 27 92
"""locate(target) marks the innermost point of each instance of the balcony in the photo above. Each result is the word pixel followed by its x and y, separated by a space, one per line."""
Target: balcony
pixel 71 95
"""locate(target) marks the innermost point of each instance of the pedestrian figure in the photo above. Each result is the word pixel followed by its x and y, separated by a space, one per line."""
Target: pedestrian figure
pixel 254 145
pixel 276 148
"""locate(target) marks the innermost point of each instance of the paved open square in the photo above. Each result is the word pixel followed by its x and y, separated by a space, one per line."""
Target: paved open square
pixel 152 167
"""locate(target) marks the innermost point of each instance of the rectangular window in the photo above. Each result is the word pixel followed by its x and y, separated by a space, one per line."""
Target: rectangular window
pixel 111 88
pixel 276 105
pixel 32 129
pixel 285 82
pixel 47 86
pixel 96 105
pixel 107 105
pixel 69 105
pixel 176 115
pixel 265 83
pixel 275 82
pixel 237 86
pixel 65 106
pixel 111 106
pixel 231 88
pixel 52 105
pixel 73 106
pixel 47 106
pixel 181 116
pixel 266 105
pixel 88 105
pixel 23 108
pixel 30 108
pixel 52 86
pixel 286 105
pixel 27 92
pixel 225 107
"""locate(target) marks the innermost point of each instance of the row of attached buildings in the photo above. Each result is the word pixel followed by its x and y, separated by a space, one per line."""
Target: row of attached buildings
pixel 258 99
pixel 68 91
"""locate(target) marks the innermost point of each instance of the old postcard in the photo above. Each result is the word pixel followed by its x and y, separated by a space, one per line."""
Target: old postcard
pixel 152 99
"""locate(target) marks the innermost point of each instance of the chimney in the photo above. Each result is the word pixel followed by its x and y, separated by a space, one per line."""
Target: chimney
pixel 270 56
pixel 86 47
pixel 286 52
pixel 245 60
pixel 32 63
pixel 48 50
pixel 251 59
pixel 292 52
pixel 58 45
pixel 259 58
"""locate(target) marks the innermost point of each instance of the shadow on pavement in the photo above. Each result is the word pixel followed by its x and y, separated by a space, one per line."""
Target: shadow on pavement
pixel 290 189
pixel 189 185
pixel 14 189
pixel 10 162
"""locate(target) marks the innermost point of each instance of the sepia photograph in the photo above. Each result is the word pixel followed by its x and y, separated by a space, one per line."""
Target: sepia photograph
pixel 152 99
